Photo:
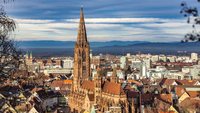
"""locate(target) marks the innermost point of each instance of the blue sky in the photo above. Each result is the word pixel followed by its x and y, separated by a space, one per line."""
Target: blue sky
pixel 126 20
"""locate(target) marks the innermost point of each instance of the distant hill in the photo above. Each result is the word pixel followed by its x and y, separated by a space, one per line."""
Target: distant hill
pixel 171 48
pixel 70 44
pixel 65 48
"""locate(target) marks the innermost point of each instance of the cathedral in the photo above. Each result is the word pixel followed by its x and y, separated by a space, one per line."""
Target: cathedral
pixel 93 94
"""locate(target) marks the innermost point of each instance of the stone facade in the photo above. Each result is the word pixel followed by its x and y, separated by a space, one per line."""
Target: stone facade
pixel 86 92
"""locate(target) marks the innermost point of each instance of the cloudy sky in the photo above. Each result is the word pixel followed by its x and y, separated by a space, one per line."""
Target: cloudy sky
pixel 106 20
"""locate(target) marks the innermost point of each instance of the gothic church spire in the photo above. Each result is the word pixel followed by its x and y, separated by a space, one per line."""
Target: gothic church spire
pixel 82 35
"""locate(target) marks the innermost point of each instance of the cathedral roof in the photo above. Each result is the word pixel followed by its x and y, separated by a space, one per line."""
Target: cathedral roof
pixel 165 97
pixel 108 87
pixel 89 85
pixel 113 88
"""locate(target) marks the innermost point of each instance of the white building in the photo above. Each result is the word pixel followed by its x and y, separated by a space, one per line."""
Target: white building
pixel 171 58
pixel 194 56
pixel 59 70
pixel 123 62
pixel 94 72
pixel 136 64
pixel 154 58
pixel 158 72
pixel 91 55
pixel 128 55
pixel 183 59
pixel 68 63
pixel 195 71
pixel 147 63
pixel 162 58
pixel 143 70
pixel 186 69
pixel 121 74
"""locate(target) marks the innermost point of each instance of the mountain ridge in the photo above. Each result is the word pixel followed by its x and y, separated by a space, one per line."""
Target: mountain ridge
pixel 70 44
pixel 113 47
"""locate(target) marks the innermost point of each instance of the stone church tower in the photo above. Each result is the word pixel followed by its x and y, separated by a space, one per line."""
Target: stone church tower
pixel 81 55
pixel 98 93
pixel 29 59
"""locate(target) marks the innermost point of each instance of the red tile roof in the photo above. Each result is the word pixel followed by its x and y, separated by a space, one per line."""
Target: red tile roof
pixel 190 103
pixel 67 81
pixel 89 85
pixel 165 97
pixel 113 88
pixel 162 106
pixel 187 82
pixel 193 94
pixel 60 83
pixel 166 81
pixel 179 91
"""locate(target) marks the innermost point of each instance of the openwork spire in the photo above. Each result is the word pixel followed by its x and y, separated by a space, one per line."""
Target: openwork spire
pixel 82 35
pixel 81 55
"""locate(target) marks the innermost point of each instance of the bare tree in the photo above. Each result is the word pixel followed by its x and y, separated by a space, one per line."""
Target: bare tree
pixel 193 18
pixel 9 54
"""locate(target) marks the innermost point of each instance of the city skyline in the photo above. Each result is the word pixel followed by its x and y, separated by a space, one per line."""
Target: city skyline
pixel 111 20
pixel 98 56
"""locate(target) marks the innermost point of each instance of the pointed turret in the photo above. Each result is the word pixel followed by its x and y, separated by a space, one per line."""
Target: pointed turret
pixel 114 77
pixel 31 55
pixel 27 56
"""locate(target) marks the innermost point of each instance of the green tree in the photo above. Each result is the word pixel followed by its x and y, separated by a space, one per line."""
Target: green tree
pixel 192 15
pixel 9 54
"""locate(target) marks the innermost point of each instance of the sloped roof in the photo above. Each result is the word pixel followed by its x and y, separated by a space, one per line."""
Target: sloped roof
pixel 60 83
pixel 88 84
pixel 67 81
pixel 162 105
pixel 179 91
pixel 44 94
pixel 135 82
pixel 165 97
pixel 190 103
pixel 187 82
pixel 147 98
pixel 56 83
pixel 166 81
pixel 193 94
pixel 113 88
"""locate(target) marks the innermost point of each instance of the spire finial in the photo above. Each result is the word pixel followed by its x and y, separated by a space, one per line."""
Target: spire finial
pixel 81 13
pixel 82 35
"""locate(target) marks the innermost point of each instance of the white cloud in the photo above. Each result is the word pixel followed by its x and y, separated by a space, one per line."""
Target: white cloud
pixel 33 21
pixel 119 20
pixel 104 29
